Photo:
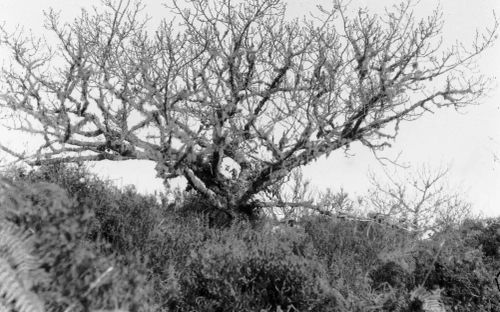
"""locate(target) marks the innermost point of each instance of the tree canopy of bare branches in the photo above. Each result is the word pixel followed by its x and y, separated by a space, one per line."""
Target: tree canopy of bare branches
pixel 230 80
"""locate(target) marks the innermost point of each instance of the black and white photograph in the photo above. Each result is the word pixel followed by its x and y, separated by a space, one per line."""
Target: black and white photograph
pixel 249 155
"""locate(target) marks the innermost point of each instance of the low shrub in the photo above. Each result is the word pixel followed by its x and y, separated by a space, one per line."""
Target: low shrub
pixel 484 235
pixel 71 261
pixel 254 272
pixel 122 217
pixel 350 248
pixel 110 248
pixel 391 274
pixel 193 205
pixel 459 270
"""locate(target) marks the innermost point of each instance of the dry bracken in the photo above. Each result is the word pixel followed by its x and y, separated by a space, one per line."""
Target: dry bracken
pixel 18 271
pixel 431 301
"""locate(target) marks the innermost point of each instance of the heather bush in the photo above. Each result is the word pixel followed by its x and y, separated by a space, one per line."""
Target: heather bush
pixel 172 240
pixel 233 264
pixel 248 271
pixel 350 248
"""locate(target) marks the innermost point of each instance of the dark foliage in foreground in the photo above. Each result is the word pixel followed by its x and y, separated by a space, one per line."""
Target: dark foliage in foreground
pixel 163 257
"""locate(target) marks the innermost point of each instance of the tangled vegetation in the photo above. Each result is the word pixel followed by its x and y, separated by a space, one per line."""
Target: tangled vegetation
pixel 233 97
pixel 98 247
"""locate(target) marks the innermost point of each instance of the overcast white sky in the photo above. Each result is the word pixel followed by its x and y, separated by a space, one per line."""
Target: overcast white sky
pixel 466 142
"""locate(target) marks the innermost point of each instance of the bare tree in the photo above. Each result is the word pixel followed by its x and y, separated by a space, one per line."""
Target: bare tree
pixel 284 197
pixel 418 200
pixel 230 80
pixel 293 197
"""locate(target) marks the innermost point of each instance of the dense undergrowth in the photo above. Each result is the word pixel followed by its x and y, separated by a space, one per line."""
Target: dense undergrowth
pixel 98 247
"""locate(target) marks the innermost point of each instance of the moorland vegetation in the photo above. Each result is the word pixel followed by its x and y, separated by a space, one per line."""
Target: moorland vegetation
pixel 73 242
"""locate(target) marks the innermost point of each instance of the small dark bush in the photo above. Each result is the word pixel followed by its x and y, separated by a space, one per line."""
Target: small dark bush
pixel 194 205
pixel 391 274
